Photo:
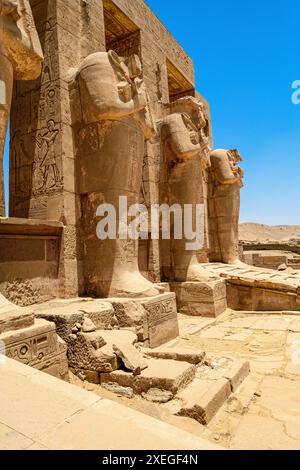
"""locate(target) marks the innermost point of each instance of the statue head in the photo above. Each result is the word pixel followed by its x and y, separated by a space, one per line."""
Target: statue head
pixel 234 156
pixel 191 106
pixel 195 110
pixel 180 123
pixel 112 74
pixel 226 165
pixel 112 88
pixel 51 125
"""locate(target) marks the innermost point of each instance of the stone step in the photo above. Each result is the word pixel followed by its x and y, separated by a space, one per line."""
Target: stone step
pixel 41 412
pixel 202 399
pixel 192 356
pixel 162 374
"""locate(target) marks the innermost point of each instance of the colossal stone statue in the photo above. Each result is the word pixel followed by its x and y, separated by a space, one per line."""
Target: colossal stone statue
pixel 226 181
pixel 185 151
pixel 20 58
pixel 110 135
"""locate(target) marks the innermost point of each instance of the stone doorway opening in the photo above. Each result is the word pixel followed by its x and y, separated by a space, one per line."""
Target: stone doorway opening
pixel 179 86
pixel 121 34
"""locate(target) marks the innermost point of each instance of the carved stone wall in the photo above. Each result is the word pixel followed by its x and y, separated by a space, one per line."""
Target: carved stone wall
pixel 42 182
pixel 29 260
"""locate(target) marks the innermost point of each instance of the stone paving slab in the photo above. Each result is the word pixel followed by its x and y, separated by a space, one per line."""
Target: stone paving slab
pixel 193 356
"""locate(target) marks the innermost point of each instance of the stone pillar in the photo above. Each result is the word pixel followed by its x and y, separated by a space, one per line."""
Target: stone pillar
pixel 226 181
pixel 110 130
pixel 20 59
pixel 42 159
pixel 186 154
pixel 6 82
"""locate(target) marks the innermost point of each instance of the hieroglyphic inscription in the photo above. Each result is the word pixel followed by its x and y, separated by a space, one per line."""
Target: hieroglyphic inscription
pixel 160 312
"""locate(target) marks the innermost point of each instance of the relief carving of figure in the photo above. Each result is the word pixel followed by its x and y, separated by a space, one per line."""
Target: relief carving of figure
pixel 226 181
pixel 21 164
pixel 20 58
pixel 110 140
pixel 47 159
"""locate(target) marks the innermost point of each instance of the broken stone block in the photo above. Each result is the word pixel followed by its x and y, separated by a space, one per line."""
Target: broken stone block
pixel 237 373
pixel 82 354
pixel 154 319
pixel 233 370
pixel 203 398
pixel 113 387
pixel 88 326
pixel 176 354
pixel 123 344
pixel 157 395
pixel 70 314
pixel 98 342
pixel 131 357
pixel 37 346
pixel 89 375
pixel 104 351
pixel 162 374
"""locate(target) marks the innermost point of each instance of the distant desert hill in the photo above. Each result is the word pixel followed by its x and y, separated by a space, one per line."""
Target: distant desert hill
pixel 267 233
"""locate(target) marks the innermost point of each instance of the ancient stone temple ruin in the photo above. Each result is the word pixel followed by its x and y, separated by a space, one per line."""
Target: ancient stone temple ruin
pixel 103 106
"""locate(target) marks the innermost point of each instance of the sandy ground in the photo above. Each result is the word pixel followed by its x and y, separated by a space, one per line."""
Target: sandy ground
pixel 261 233
pixel 264 413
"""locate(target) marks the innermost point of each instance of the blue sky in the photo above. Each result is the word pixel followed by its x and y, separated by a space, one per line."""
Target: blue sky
pixel 246 57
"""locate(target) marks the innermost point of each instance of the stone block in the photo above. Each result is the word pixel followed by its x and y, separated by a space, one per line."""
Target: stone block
pixel 67 313
pixel 237 373
pixel 14 318
pixel 206 299
pixel 113 387
pixel 84 353
pixel 90 376
pixel 192 356
pixel 154 318
pixel 122 343
pixel 162 374
pixel 38 346
pixel 203 398
pixel 161 313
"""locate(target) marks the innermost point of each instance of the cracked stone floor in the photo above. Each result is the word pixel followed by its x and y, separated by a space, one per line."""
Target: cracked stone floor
pixel 264 413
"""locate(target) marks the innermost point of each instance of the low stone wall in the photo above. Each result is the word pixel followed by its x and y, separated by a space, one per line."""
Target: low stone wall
pixel 29 260
pixel 271 259
pixel 294 247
